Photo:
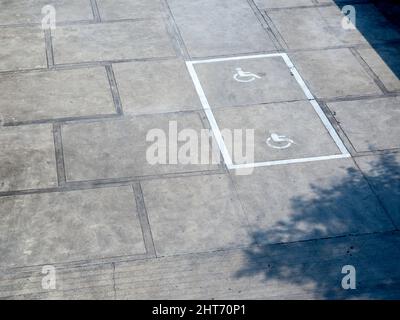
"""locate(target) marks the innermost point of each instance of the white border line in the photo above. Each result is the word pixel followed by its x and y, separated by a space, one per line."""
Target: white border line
pixel 329 127
pixel 217 133
pixel 270 55
pixel 297 76
pixel 289 161
pixel 209 114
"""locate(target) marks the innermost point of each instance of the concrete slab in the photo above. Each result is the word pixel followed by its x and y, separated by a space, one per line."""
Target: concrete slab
pixel 219 27
pixel 155 87
pixel 322 27
pixel 333 21
pixel 334 73
pixel 194 214
pixel 206 226
pixel 301 33
pixel 383 60
pixel 55 94
pixel 22 48
pixel 273 82
pixel 78 281
pixel 296 120
pixel 371 124
pixel 324 22
pixel 309 269
pixel 129 9
pixel 27 158
pixel 111 41
pixel 69 226
pixel 117 149
pixel 265 4
pixel 28 11
pixel 383 174
pixel 309 201
pixel 301 270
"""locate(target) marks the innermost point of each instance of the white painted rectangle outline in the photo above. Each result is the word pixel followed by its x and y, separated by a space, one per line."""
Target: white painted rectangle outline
pixel 217 133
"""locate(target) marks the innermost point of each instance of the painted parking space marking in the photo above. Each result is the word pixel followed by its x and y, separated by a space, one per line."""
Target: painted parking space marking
pixel 278 140
pixel 245 76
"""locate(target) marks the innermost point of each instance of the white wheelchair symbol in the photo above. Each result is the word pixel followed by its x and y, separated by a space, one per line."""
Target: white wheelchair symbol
pixel 279 142
pixel 244 76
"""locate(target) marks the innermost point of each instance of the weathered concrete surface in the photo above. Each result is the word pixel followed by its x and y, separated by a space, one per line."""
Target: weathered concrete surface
pixel 307 33
pixel 319 200
pixel 118 148
pixel 27 158
pixel 264 4
pixel 371 124
pixel 295 120
pixel 27 11
pixel 113 41
pixel 305 270
pixel 301 33
pixel 383 174
pixel 76 225
pixel 275 82
pixel 78 192
pixel 301 270
pixel 129 9
pixel 217 27
pixel 195 214
pixel 155 87
pixel 55 94
pixel 22 48
pixel 386 67
pixel 334 73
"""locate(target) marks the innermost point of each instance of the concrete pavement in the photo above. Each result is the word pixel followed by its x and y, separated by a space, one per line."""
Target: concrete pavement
pixel 79 194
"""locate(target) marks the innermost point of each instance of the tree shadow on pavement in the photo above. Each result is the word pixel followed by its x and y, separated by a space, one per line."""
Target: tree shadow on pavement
pixel 379 21
pixel 313 268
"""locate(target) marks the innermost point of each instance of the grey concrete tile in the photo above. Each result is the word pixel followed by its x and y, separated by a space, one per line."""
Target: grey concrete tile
pixel 55 94
pixel 118 148
pixel 28 11
pixel 370 124
pixel 383 173
pixel 22 48
pixel 129 9
pixel 383 61
pixel 334 73
pixel 274 83
pixel 194 214
pixel 219 27
pixel 333 17
pixel 27 158
pixel 296 120
pixel 308 28
pixel 69 226
pixel 76 282
pixel 309 201
pixel 155 87
pixel 286 271
pixel 370 25
pixel 111 41
pixel 303 28
pixel 266 4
